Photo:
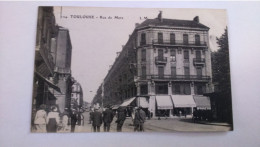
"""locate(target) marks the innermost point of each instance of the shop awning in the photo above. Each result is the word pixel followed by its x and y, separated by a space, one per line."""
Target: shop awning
pixel 202 102
pixel 183 101
pixel 52 85
pixel 115 107
pixel 143 102
pixel 164 102
pixel 127 102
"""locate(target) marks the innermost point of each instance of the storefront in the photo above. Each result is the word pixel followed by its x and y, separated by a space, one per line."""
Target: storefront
pixel 183 105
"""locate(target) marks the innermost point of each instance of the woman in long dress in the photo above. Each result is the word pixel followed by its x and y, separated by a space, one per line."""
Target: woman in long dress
pixel 53 119
pixel 40 120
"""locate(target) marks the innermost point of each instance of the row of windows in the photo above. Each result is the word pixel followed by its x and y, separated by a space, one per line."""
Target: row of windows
pixel 172 39
pixel 186 55
pixel 177 88
pixel 173 71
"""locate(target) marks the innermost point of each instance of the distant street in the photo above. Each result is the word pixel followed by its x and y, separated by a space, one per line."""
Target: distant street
pixel 163 125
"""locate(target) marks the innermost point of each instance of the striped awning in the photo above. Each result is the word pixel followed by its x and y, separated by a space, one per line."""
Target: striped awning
pixel 127 102
pixel 183 101
pixel 202 102
pixel 164 102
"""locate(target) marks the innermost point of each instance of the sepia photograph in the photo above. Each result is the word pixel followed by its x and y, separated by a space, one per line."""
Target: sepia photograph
pixel 131 70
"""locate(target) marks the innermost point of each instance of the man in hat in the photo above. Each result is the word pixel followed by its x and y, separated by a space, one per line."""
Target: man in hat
pixel 96 119
pixel 73 119
pixel 107 118
pixel 121 116
pixel 139 120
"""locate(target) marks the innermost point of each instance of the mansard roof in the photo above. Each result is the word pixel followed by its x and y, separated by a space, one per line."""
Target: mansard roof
pixel 172 23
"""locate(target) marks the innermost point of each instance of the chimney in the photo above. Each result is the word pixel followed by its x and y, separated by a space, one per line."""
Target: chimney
pixel 160 16
pixel 196 19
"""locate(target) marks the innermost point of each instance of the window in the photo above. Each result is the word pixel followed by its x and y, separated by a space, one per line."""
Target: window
pixel 187 72
pixel 198 55
pixel 160 38
pixel 181 89
pixel 197 39
pixel 173 71
pixel 143 39
pixel 160 54
pixel 173 55
pixel 172 38
pixel 144 89
pixel 187 89
pixel 143 55
pixel 143 71
pixel 199 72
pixel 177 89
pixel 186 56
pixel 200 89
pixel 161 71
pixel 185 39
pixel 161 88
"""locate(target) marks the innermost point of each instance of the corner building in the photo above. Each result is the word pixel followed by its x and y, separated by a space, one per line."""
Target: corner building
pixel 170 67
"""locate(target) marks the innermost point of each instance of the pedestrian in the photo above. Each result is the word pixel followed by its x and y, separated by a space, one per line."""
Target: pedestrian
pixel 96 118
pixel 65 121
pixel 121 116
pixel 90 114
pixel 53 119
pixel 139 120
pixel 107 119
pixel 40 120
pixel 133 114
pixel 74 119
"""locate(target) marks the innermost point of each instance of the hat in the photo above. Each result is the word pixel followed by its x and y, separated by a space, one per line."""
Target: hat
pixel 54 109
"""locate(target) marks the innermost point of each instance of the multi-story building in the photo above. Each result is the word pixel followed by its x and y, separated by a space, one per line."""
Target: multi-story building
pixel 76 96
pixel 52 62
pixel 165 67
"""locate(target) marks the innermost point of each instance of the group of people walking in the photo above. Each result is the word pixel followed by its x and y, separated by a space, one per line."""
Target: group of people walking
pixel 106 117
pixel 54 121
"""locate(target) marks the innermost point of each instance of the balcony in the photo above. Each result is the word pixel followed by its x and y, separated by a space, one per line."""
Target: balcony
pixel 199 62
pixel 160 60
pixel 176 78
pixel 179 43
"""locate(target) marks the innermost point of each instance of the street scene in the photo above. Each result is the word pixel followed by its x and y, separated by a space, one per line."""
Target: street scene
pixel 155 72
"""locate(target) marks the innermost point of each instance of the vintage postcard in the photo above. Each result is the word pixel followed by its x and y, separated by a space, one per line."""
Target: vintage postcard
pixel 131 70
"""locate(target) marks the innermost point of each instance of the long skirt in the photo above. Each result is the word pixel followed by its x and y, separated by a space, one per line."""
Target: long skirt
pixel 40 128
pixel 52 125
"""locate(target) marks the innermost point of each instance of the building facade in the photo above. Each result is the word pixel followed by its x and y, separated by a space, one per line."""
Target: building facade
pixel 165 67
pixel 52 74
pixel 77 97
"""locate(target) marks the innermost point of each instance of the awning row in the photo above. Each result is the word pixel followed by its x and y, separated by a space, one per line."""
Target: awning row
pixel 171 101
pixel 182 101
pixel 142 101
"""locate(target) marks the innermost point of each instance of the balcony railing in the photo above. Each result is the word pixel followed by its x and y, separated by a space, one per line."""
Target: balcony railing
pixel 177 77
pixel 179 42
pixel 198 61
pixel 160 60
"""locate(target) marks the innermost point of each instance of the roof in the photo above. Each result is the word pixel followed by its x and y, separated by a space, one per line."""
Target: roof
pixel 172 22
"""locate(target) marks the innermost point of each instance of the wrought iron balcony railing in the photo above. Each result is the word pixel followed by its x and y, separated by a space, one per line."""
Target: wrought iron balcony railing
pixel 198 61
pixel 179 42
pixel 176 77
pixel 160 60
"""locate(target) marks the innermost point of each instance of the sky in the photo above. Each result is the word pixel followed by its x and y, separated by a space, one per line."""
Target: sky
pixel 98 33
